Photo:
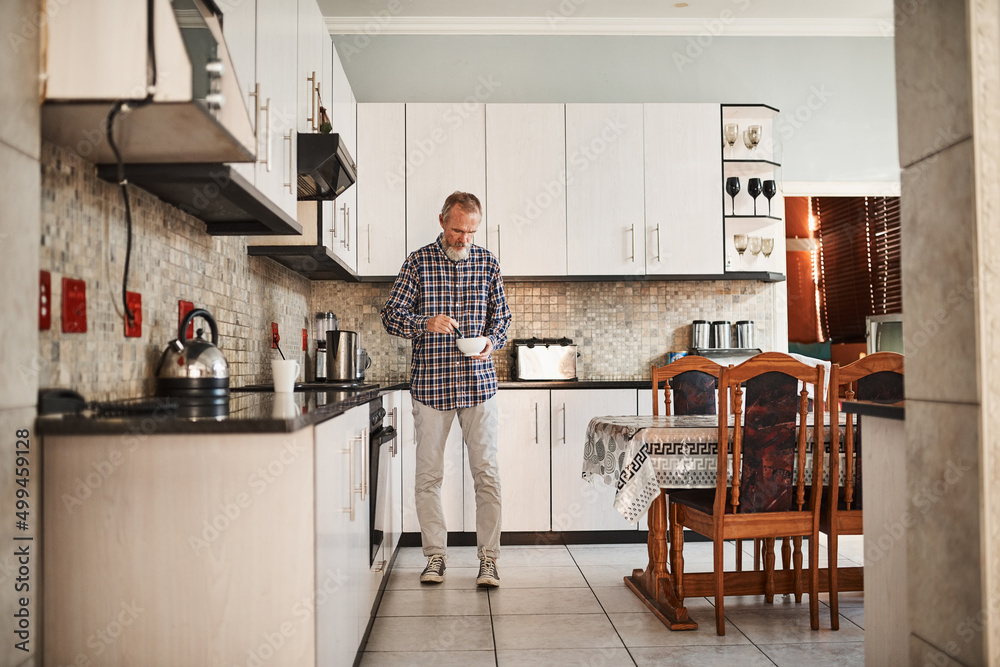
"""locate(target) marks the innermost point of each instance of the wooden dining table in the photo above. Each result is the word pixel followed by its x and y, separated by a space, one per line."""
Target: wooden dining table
pixel 645 457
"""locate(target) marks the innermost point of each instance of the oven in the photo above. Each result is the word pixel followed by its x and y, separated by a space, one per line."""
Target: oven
pixel 383 446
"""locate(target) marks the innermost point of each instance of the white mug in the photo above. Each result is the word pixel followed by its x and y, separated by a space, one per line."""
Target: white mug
pixel 285 372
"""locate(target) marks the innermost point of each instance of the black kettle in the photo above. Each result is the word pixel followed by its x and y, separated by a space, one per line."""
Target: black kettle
pixel 194 372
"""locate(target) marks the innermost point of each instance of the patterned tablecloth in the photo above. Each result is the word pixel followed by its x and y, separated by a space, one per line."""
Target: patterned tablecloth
pixel 642 454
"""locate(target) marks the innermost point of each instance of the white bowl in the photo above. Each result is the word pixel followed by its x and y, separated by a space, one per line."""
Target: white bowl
pixel 471 347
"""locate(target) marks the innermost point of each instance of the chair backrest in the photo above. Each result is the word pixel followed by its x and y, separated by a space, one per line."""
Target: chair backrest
pixel 690 386
pixel 877 377
pixel 771 417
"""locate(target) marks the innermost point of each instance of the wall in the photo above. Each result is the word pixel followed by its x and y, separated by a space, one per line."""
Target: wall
pixel 83 237
pixel 837 95
pixel 19 220
pixel 621 328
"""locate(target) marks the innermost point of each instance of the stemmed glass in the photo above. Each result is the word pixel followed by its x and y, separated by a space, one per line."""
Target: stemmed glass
pixel 730 133
pixel 740 241
pixel 733 189
pixel 753 189
pixel 754 246
pixel 770 189
pixel 751 136
pixel 767 246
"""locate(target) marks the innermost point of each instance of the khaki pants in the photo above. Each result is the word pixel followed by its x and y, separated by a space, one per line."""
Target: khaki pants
pixel 479 428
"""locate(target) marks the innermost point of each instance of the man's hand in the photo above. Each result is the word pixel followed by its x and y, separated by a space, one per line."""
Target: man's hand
pixel 485 354
pixel 442 324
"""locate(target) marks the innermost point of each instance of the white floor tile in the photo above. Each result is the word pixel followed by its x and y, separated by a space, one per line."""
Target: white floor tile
pixel 647 630
pixel 569 631
pixel 431 601
pixel 429 659
pixel 606 657
pixel 541 577
pixel 832 654
pixel 746 655
pixel 543 601
pixel 790 626
pixel 533 556
pixel 431 633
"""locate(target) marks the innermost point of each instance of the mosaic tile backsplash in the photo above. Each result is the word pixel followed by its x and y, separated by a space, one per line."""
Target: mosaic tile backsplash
pixel 621 327
pixel 83 237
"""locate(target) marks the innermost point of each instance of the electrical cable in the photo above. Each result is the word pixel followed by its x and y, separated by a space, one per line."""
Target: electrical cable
pixel 121 107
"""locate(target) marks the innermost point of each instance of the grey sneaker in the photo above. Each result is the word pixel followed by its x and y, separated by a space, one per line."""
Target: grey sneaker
pixel 434 572
pixel 488 575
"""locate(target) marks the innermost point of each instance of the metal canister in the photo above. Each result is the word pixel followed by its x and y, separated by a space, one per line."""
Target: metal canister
pixel 701 334
pixel 744 334
pixel 721 334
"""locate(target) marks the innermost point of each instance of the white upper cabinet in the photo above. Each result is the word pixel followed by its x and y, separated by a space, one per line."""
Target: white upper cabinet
pixel 313 72
pixel 343 231
pixel 683 189
pixel 382 191
pixel 526 186
pixel 605 205
pixel 240 30
pixel 275 107
pixel 445 152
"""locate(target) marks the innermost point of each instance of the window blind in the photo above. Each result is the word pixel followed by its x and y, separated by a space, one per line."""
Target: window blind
pixel 859 263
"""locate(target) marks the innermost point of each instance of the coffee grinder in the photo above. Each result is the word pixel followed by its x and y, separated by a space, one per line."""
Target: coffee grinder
pixel 324 322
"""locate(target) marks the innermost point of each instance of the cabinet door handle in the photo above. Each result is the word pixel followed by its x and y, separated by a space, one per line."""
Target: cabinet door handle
pixel 536 422
pixel 370 261
pixel 657 242
pixel 564 423
pixel 255 94
pixel 350 489
pixel 291 163
pixel 267 134
pixel 312 95
pixel 395 439
pixel 498 242
pixel 347 222
pixel 365 462
pixel 632 257
pixel 342 209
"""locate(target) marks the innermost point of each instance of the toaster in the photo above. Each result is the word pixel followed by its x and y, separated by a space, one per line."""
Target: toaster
pixel 543 359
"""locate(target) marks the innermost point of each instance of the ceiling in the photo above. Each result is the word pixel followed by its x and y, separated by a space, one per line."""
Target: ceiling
pixel 610 17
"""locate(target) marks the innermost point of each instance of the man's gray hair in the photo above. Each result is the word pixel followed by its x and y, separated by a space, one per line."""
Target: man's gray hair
pixel 466 201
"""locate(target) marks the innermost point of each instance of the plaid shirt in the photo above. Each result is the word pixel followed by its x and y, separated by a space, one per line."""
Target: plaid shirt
pixel 469 291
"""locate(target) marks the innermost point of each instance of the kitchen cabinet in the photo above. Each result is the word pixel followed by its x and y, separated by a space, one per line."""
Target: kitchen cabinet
pixel 578 504
pixel 740 217
pixel 604 189
pixel 526 186
pixel 452 489
pixel 523 459
pixel 314 66
pixel 381 192
pixel 240 31
pixel 682 189
pixel 342 567
pixel 445 152
pixel 343 230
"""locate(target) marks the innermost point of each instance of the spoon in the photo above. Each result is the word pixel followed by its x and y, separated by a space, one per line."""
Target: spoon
pixel 458 332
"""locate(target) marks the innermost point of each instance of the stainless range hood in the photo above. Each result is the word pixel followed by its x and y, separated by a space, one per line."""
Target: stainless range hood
pixel 326 167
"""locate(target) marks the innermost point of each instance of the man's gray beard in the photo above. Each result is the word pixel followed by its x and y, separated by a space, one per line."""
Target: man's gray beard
pixel 456 254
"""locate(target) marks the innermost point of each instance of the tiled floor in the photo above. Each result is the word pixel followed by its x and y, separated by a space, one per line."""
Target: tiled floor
pixel 567 605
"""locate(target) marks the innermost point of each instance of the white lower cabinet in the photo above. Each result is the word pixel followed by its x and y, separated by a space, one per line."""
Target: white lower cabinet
pixel 452 489
pixel 523 459
pixel 342 559
pixel 578 504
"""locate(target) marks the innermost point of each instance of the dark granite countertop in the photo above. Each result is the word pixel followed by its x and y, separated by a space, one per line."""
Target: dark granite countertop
pixel 885 410
pixel 257 409
pixel 253 411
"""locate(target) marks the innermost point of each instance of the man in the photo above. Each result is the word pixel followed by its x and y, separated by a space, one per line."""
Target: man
pixel 449 288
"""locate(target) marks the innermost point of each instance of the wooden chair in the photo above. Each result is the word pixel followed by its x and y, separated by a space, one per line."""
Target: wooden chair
pixel 877 377
pixel 692 380
pixel 767 496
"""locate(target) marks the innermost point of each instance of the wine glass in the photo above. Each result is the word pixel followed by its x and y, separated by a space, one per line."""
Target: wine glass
pixel 751 136
pixel 740 241
pixel 733 189
pixel 754 246
pixel 770 189
pixel 731 132
pixel 753 189
pixel 767 246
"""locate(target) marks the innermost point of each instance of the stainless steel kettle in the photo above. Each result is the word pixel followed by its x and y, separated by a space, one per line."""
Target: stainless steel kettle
pixel 195 370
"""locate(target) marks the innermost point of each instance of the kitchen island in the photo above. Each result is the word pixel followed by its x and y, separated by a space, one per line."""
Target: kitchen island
pixel 237 540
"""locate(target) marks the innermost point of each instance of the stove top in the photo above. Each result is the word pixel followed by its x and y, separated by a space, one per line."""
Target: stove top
pixel 313 386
